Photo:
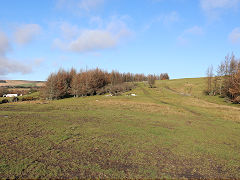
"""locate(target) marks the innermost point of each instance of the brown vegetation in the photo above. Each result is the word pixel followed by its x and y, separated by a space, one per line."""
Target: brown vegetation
pixel 164 76
pixel 151 80
pixel 28 98
pixel 3 91
pixel 227 81
pixel 91 82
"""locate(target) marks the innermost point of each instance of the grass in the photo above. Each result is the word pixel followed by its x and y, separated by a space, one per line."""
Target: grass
pixel 172 131
pixel 27 85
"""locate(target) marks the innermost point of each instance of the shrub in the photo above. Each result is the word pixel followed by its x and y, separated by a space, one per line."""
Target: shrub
pixel 151 80
pixel 236 100
pixel 28 98
pixel 5 101
pixel 118 89
pixel 15 99
pixel 164 76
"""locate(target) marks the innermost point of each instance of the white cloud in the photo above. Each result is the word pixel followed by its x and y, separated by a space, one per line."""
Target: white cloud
pixel 183 39
pixel 11 66
pixel 79 7
pixel 90 4
pixel 38 61
pixel 165 19
pixel 4 43
pixel 195 30
pixel 25 33
pixel 214 8
pixel 217 4
pixel 234 36
pixel 96 20
pixel 68 31
pixel 6 65
pixel 91 40
pixel 170 18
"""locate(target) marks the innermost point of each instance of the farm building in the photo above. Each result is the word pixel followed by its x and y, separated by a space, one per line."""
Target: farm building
pixel 10 95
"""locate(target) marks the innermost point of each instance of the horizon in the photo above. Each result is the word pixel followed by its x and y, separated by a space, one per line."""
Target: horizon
pixel 178 37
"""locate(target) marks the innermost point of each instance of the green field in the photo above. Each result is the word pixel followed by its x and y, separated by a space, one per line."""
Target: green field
pixel 171 131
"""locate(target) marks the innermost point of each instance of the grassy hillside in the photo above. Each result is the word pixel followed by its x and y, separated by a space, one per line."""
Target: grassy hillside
pixel 172 131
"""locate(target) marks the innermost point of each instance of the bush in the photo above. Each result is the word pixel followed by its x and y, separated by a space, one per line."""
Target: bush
pixel 5 101
pixel 151 80
pixel 28 98
pixel 164 76
pixel 15 99
pixel 118 89
pixel 236 100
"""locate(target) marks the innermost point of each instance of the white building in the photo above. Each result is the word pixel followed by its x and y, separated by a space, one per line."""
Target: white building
pixel 10 95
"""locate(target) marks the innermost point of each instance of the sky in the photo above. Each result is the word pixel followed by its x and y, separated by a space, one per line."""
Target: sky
pixel 180 37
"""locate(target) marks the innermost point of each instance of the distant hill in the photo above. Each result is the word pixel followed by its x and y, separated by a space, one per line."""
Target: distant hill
pixel 20 83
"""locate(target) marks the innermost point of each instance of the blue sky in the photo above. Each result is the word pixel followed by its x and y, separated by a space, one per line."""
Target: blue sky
pixel 181 37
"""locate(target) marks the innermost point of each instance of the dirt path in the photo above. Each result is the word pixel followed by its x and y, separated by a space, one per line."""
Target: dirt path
pixel 159 101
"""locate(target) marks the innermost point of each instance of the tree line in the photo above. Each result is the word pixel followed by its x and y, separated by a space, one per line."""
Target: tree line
pixel 92 82
pixel 226 82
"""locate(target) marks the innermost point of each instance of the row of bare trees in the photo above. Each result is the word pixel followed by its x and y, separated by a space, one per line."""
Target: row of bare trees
pixel 226 82
pixel 90 82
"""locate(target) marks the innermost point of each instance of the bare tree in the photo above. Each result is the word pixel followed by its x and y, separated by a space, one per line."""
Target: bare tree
pixel 227 81
pixel 210 80
pixel 235 88
pixel 151 80
pixel 50 88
